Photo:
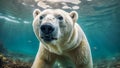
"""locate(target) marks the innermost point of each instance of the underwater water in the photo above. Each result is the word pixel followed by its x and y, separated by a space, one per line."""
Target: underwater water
pixel 100 20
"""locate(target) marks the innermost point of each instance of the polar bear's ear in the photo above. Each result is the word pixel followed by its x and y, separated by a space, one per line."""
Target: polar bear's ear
pixel 74 16
pixel 36 12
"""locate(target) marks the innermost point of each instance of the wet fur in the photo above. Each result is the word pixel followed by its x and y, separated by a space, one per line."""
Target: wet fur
pixel 76 47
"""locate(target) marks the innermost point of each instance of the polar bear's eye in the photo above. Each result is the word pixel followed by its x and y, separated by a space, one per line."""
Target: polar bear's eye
pixel 41 17
pixel 60 17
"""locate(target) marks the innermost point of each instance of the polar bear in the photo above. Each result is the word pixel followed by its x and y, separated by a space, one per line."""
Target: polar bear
pixel 60 36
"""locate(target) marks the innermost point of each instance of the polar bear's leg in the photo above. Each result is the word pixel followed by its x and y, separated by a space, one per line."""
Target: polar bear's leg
pixel 42 63
pixel 81 55
pixel 44 59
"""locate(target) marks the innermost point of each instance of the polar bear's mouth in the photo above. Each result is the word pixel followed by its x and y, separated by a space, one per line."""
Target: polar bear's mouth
pixel 48 38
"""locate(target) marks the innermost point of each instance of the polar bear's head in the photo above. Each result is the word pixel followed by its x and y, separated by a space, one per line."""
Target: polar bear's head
pixel 53 24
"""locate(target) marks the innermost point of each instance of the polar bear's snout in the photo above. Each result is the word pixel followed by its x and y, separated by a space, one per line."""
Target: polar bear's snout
pixel 47 28
pixel 48 32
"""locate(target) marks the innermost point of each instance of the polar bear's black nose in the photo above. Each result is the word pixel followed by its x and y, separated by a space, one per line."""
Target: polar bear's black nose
pixel 47 28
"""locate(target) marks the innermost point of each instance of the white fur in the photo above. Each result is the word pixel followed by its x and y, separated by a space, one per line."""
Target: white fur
pixel 68 39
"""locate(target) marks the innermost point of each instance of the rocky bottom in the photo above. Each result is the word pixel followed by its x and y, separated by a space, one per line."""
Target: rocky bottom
pixel 10 63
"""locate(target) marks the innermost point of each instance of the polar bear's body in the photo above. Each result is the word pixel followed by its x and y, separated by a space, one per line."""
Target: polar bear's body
pixel 60 36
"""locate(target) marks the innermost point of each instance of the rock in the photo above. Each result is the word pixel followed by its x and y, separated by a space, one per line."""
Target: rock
pixel 10 63
pixel 115 65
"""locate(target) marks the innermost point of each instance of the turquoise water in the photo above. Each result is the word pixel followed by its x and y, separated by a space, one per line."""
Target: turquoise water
pixel 100 21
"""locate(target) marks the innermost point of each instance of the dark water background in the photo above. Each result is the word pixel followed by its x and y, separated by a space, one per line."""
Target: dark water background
pixel 100 20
